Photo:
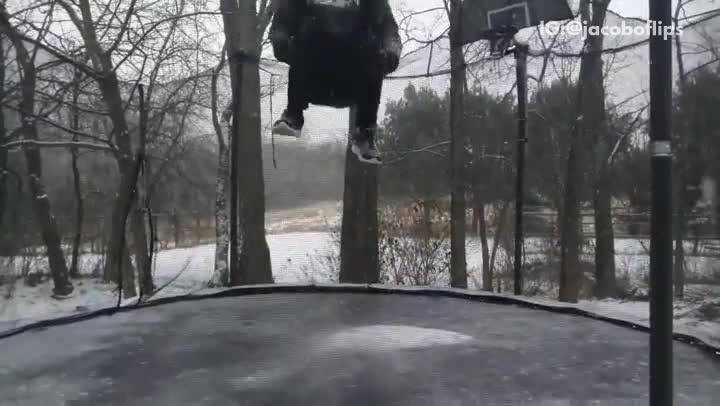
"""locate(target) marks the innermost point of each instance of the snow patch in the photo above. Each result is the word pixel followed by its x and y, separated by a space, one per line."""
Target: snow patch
pixel 393 337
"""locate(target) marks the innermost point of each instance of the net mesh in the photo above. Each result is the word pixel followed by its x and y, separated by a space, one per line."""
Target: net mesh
pixel 304 179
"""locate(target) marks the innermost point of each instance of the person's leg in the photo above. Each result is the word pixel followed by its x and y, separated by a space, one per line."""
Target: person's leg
pixel 367 98
pixel 293 120
pixel 297 93
pixel 368 95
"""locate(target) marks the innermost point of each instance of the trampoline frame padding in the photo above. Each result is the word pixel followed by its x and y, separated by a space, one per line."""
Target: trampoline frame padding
pixel 478 296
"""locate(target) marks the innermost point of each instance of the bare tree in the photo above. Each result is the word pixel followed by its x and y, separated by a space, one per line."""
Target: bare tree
pixel 40 200
pixel 595 123
pixel 680 170
pixel 77 183
pixel 571 224
pixel 244 28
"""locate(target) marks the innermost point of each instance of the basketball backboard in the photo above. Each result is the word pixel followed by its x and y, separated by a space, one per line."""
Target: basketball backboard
pixel 489 19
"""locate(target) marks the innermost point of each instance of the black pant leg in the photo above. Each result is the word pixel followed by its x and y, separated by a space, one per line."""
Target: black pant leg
pixel 368 93
pixel 298 91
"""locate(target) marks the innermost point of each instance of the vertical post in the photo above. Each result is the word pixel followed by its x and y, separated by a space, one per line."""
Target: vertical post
pixel 661 246
pixel 458 260
pixel 234 166
pixel 521 53
pixel 359 255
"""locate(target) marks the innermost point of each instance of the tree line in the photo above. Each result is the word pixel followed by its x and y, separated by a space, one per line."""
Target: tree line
pixel 136 99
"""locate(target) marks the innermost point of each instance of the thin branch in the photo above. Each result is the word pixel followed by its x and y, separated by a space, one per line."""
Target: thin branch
pixel 123 28
pixel 56 144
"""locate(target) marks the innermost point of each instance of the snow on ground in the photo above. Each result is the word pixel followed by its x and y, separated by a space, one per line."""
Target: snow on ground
pixel 296 258
pixel 393 337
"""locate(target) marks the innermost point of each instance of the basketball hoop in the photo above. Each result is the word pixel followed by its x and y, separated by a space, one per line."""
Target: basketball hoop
pixel 502 41
pixel 492 19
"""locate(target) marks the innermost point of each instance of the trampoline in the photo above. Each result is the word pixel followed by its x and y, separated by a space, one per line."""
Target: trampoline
pixel 339 346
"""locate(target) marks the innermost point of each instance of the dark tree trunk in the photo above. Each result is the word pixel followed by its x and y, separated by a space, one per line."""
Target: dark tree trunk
pixel 126 196
pixel 597 128
pixel 679 261
pixel 77 184
pixel 605 281
pixel 487 274
pixel 475 224
pixel 79 214
pixel 571 225
pixel 680 180
pixel 119 261
pixel 570 237
pixel 142 245
pixel 458 264
pixel 359 254
pixel 3 174
pixel 40 201
pixel 3 134
pixel 241 22
pixel 109 87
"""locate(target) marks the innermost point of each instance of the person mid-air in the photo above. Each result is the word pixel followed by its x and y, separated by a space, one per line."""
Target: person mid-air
pixel 339 51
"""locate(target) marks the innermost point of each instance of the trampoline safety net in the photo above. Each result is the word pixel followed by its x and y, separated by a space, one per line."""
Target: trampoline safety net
pixel 174 232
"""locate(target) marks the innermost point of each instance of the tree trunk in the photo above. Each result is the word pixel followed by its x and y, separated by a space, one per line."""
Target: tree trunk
pixel 570 237
pixel 79 214
pixel 359 254
pixel 241 34
pixel 3 151
pixel 143 259
pixel 475 224
pixel 77 185
pixel 3 174
pixel 117 243
pixel 499 235
pixel 680 180
pixel 40 201
pixel 605 281
pixel 221 273
pixel 109 87
pixel 142 254
pixel 571 226
pixel 597 127
pixel 679 262
pixel 458 264
pixel 129 289
pixel 487 275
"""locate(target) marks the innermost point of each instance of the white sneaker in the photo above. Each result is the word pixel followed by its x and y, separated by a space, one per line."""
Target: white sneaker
pixel 285 126
pixel 363 146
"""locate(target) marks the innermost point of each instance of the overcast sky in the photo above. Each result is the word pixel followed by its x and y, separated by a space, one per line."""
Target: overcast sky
pixel 629 80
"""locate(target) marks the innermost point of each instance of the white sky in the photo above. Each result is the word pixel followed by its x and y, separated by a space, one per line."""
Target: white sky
pixel 325 124
pixel 630 80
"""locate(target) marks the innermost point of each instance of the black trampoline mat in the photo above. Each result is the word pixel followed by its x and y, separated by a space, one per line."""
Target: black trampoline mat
pixel 341 349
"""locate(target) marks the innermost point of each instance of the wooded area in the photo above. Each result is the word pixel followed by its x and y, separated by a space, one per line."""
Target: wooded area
pixel 114 132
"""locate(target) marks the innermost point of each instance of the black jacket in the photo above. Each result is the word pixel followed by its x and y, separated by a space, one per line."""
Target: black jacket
pixel 370 21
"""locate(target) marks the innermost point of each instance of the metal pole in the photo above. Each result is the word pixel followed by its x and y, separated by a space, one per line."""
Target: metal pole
pixel 234 170
pixel 661 260
pixel 521 52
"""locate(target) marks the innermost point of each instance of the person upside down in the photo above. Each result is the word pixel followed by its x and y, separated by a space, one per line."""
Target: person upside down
pixel 339 51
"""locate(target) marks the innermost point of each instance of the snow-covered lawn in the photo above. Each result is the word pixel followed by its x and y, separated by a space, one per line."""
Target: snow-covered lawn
pixel 296 258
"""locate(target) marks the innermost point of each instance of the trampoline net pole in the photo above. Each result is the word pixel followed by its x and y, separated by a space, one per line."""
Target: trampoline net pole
pixel 661 260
